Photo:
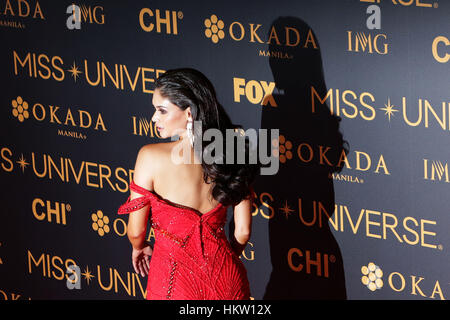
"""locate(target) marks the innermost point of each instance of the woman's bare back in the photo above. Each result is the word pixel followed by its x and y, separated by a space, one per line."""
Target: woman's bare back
pixel 181 183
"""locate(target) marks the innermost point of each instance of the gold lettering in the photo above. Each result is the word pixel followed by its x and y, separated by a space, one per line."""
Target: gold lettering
pixel 232 32
pixel 368 222
pixel 36 263
pixel 124 227
pixel 11 165
pixel 97 81
pixel 442 121
pixel 437 289
pixel 300 214
pixel 288 43
pixel 80 171
pixel 99 277
pixel 165 21
pixel 354 227
pixel 382 164
pixel 358 162
pixel 322 101
pixel 416 241
pixel 55 266
pixel 53 116
pixel 106 176
pixel 252 253
pixel 322 155
pixel 344 94
pixel 344 159
pixel 38 10
pixel 310 39
pixel 311 153
pixel 402 281
pixel 273 34
pixel 144 27
pixel 265 204
pixel 415 286
pixel 253 34
pixel 291 251
pixel 126 287
pixel 88 173
pixel 375 40
pixel 26 61
pixel 434 46
pixel 390 226
pixel 34 210
pixel 423 232
pixel 406 118
pixel 69 117
pixel 100 123
pixel 372 109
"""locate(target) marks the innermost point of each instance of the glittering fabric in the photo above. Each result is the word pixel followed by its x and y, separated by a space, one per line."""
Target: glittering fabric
pixel 192 257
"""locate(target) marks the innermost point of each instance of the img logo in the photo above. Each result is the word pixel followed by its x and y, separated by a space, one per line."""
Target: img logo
pixel 435 170
pixel 372 275
pixel 82 13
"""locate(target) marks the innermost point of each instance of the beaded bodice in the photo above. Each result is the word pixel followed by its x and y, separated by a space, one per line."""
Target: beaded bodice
pixel 191 248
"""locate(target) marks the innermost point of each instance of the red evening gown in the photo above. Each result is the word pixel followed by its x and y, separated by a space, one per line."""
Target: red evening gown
pixel 192 258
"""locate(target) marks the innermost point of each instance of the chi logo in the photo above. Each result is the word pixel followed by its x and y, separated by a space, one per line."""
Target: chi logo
pixel 372 275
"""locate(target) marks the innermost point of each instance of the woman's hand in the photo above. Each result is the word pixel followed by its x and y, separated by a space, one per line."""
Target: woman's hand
pixel 141 259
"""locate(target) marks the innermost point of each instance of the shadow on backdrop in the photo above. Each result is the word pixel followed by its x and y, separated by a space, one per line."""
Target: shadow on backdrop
pixel 306 259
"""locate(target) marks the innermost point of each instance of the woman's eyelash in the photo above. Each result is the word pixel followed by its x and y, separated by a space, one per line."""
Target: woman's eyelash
pixel 160 110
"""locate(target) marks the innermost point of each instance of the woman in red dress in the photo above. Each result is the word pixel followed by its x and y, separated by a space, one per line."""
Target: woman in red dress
pixel 186 203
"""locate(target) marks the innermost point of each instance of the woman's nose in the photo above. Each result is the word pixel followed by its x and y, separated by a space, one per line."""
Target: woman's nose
pixel 154 118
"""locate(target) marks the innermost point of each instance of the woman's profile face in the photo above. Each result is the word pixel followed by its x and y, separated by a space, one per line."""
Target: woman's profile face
pixel 170 120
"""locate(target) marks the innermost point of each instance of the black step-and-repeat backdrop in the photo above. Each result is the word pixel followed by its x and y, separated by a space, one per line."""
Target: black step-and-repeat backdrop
pixel 359 90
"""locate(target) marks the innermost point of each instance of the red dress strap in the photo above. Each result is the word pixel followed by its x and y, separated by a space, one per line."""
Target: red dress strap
pixel 136 203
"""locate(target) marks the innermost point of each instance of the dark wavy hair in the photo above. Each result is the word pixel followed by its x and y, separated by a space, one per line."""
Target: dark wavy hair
pixel 188 87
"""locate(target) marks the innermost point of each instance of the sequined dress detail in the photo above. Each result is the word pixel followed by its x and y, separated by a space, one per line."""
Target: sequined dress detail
pixel 192 258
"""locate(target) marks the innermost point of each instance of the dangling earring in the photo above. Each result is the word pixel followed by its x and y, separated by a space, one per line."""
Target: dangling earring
pixel 190 132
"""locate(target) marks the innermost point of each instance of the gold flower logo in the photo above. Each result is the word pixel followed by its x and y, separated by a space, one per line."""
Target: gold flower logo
pixel 20 109
pixel 214 28
pixel 285 149
pixel 100 223
pixel 372 275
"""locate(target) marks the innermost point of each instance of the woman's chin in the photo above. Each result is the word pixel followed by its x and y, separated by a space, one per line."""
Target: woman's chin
pixel 162 134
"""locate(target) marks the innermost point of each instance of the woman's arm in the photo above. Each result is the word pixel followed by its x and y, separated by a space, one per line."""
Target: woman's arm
pixel 242 225
pixel 138 220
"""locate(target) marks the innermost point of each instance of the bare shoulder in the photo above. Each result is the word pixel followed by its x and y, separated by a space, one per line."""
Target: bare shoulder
pixel 148 162
pixel 246 204
pixel 151 149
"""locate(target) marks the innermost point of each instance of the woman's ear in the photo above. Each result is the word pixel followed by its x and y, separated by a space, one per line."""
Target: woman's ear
pixel 188 113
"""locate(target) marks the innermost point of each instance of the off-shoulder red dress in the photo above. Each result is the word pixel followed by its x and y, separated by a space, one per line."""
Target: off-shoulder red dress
pixel 192 257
